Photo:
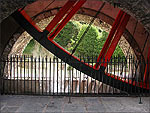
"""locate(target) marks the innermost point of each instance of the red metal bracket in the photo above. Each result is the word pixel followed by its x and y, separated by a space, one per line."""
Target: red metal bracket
pixel 109 39
pixel 60 15
pixel 66 19
pixel 116 39
pixel 27 17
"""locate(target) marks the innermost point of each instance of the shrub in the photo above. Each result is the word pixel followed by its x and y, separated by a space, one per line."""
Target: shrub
pixel 30 47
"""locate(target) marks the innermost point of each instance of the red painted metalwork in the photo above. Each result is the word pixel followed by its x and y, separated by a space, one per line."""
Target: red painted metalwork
pixel 59 49
pixel 116 39
pixel 147 68
pixel 109 39
pixel 27 17
pixel 134 83
pixel 66 19
pixel 63 11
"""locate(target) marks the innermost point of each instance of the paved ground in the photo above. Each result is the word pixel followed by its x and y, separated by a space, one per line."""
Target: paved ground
pixel 47 104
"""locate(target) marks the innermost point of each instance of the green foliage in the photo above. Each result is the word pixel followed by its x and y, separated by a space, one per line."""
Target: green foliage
pixel 118 52
pixel 30 47
pixel 89 46
pixel 68 34
pixel 93 42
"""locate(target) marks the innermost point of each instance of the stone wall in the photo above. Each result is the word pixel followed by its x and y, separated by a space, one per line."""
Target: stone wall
pixel 9 6
pixel 20 44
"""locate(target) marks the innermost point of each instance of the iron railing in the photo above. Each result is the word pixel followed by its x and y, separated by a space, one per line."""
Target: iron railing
pixel 52 76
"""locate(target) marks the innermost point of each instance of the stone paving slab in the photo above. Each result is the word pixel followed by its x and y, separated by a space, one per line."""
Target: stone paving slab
pixel 50 104
pixel 54 105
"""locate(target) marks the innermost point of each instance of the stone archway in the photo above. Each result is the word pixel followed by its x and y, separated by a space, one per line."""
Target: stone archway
pixel 137 9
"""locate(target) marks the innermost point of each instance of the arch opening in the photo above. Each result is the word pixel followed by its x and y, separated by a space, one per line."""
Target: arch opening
pixel 86 11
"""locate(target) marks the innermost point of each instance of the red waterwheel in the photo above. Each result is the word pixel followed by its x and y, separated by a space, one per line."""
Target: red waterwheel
pixel 45 38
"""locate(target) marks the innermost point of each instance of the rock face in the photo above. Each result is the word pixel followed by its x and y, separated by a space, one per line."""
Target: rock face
pixel 10 44
pixel 20 44
pixel 9 6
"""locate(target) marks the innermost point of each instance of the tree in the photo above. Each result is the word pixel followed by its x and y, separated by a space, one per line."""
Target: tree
pixel 30 47
pixel 67 35
pixel 93 42
pixel 90 45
